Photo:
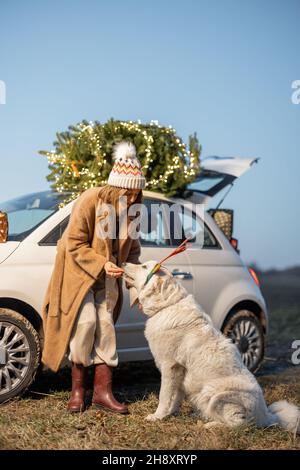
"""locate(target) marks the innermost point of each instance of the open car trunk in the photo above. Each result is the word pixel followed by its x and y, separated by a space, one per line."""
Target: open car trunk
pixel 216 174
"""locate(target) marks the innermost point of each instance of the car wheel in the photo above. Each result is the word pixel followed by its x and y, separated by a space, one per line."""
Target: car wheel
pixel 19 354
pixel 246 331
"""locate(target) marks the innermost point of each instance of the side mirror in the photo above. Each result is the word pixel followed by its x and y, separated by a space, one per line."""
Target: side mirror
pixel 224 220
pixel 3 227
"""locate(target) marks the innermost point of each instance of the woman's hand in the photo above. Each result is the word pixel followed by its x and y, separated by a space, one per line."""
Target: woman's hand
pixel 113 270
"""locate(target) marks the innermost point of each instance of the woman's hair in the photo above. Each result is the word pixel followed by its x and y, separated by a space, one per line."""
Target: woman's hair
pixel 111 194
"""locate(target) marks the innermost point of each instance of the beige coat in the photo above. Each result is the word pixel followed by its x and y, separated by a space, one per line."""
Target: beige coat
pixel 80 259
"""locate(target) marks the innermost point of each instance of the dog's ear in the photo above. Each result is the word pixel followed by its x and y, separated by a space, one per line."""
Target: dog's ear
pixel 156 285
pixel 162 281
pixel 163 271
pixel 159 283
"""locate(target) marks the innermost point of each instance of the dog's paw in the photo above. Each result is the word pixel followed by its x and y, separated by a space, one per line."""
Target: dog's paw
pixel 152 417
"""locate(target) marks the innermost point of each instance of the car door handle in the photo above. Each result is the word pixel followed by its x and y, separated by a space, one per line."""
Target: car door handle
pixel 182 274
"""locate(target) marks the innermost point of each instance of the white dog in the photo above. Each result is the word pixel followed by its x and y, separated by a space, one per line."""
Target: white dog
pixel 197 361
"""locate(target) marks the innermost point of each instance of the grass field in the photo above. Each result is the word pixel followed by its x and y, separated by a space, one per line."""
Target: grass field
pixel 40 421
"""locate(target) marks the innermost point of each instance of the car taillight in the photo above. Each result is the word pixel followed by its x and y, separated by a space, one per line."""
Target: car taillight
pixel 254 275
pixel 234 242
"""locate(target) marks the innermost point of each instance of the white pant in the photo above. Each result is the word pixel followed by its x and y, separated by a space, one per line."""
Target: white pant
pixel 93 338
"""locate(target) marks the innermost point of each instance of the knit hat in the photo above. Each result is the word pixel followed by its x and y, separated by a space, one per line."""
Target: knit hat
pixel 126 171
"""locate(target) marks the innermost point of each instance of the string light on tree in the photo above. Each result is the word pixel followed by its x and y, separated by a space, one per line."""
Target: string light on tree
pixel 82 156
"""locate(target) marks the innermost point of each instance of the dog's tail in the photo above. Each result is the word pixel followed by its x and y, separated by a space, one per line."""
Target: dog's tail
pixel 285 414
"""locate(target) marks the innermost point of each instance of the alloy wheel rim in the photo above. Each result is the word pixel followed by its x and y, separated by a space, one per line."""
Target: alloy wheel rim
pixel 246 336
pixel 15 357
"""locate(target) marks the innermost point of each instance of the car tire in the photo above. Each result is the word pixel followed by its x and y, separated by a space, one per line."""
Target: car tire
pixel 246 331
pixel 20 354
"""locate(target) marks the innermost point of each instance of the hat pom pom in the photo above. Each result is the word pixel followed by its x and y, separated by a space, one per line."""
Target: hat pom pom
pixel 124 150
pixel 126 171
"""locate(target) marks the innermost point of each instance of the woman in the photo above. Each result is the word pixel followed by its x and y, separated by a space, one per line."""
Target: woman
pixel 84 295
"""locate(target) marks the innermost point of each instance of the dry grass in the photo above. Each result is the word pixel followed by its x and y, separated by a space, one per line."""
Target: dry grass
pixel 40 421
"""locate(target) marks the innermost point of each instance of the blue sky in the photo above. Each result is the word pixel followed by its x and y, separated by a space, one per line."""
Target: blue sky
pixel 223 68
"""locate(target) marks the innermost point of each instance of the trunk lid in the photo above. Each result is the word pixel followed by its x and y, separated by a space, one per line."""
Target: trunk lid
pixel 217 173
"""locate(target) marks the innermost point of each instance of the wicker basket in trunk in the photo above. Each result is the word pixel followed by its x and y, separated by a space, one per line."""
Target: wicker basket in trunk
pixel 3 227
pixel 224 220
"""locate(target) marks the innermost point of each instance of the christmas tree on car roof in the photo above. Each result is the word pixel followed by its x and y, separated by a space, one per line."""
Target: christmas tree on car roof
pixel 82 156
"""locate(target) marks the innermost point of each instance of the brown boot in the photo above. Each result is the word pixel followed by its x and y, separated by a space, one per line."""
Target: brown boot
pixel 77 401
pixel 102 396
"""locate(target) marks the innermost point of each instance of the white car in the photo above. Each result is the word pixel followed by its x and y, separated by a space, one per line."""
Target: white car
pixel 214 273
